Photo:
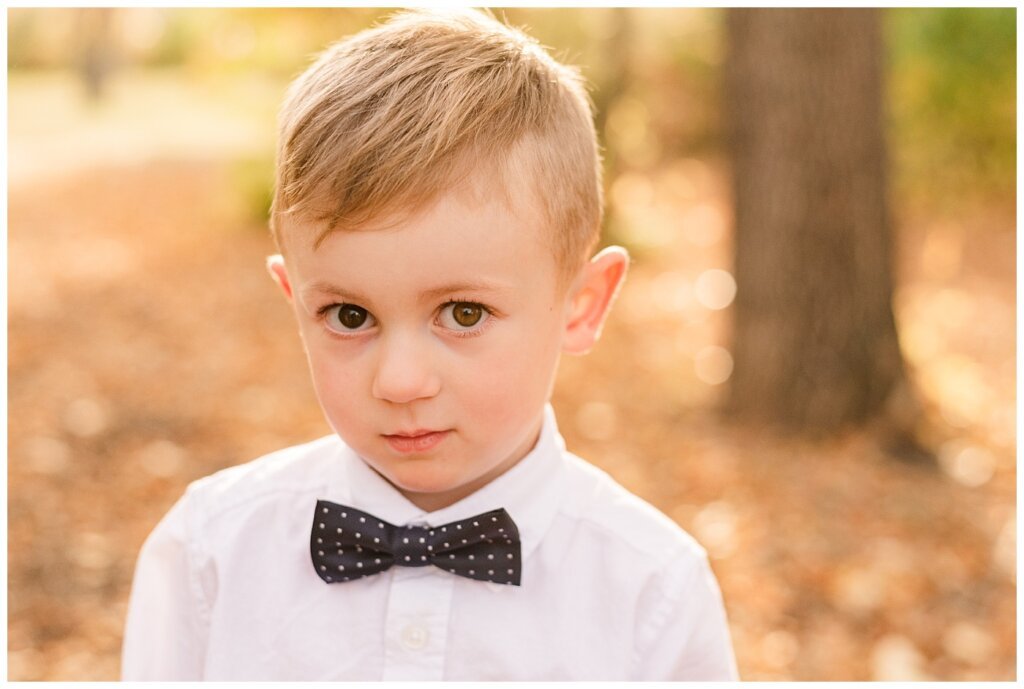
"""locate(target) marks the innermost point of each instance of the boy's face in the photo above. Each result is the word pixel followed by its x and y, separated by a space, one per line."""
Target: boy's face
pixel 433 346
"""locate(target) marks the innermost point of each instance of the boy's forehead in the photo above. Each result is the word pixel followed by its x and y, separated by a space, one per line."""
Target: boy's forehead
pixel 458 238
pixel 484 197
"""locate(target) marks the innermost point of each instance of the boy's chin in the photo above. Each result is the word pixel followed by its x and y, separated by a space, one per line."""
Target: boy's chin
pixel 419 481
pixel 409 483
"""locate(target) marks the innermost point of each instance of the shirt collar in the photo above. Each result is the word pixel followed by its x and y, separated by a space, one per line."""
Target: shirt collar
pixel 528 491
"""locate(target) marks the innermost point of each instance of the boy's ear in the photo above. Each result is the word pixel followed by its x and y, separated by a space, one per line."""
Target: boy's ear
pixel 591 299
pixel 275 266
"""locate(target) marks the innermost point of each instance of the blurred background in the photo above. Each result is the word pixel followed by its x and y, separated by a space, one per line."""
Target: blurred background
pixel 811 367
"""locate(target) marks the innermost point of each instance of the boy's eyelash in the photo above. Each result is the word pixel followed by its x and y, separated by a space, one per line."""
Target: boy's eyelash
pixel 485 307
pixel 322 311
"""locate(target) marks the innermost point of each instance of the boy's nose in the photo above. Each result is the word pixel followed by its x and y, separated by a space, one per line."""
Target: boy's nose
pixel 404 371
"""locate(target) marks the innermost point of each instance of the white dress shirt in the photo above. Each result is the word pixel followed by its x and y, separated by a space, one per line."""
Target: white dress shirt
pixel 612 589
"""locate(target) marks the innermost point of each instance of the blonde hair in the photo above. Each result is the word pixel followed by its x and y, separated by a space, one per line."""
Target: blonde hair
pixel 394 116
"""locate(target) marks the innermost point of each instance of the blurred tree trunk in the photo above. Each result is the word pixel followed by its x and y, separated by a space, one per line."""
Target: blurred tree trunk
pixel 95 53
pixel 815 347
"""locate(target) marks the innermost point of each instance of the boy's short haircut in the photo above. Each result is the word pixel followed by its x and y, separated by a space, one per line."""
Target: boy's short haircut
pixel 391 118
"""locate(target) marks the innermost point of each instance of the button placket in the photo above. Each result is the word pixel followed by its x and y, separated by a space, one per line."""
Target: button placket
pixel 416 628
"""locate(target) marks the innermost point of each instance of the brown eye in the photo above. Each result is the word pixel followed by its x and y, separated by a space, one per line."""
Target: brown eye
pixel 351 317
pixel 466 314
pixel 464 318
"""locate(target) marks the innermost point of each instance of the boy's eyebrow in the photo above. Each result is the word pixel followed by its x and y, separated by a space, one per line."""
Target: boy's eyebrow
pixel 426 295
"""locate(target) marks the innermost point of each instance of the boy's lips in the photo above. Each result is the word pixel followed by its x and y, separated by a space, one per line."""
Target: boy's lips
pixel 419 440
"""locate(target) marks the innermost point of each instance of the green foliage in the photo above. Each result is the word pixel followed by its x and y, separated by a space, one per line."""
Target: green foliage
pixel 253 182
pixel 952 96
pixel 175 43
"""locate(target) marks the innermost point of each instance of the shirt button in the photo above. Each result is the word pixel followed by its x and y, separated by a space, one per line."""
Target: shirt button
pixel 414 637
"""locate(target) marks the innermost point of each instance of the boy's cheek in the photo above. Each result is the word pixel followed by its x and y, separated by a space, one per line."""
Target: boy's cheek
pixel 519 377
pixel 334 383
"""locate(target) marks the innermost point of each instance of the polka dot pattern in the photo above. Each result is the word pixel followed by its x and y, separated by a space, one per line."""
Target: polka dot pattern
pixel 359 544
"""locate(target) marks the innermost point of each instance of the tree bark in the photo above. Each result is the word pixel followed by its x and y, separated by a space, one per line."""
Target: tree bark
pixel 815 347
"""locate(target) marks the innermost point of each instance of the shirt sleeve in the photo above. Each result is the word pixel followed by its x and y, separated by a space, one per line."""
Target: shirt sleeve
pixel 168 611
pixel 683 633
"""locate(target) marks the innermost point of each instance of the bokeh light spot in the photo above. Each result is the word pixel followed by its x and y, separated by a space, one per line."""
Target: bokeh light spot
pixel 86 417
pixel 713 365
pixel 162 458
pixel 968 643
pixel 967 464
pixel 46 455
pixel 895 658
pixel 715 526
pixel 715 288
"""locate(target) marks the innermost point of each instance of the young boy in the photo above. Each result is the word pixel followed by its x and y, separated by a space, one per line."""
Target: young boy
pixel 438 196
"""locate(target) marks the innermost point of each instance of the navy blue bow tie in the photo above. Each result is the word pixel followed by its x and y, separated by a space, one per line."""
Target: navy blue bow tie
pixel 348 544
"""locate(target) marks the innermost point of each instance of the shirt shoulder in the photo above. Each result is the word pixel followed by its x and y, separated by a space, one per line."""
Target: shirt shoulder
pixel 281 474
pixel 625 519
